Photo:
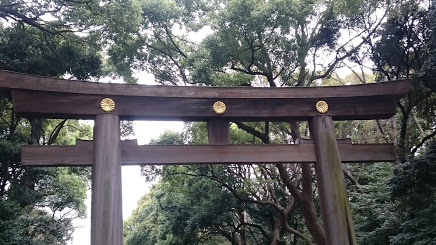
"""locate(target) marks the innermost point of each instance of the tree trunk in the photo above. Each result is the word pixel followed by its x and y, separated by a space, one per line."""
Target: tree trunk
pixel 306 205
pixel 402 142
pixel 276 231
pixel 242 228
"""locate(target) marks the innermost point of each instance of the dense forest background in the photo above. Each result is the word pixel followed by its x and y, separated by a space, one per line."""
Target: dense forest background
pixel 275 43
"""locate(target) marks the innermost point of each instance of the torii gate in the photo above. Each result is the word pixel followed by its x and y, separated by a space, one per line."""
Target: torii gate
pixel 42 97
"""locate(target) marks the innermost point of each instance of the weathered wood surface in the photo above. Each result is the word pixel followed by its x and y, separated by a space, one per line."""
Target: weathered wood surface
pixel 80 100
pixel 13 80
pixel 86 106
pixel 335 208
pixel 218 131
pixel 80 154
pixel 132 154
pixel 106 205
pixel 311 141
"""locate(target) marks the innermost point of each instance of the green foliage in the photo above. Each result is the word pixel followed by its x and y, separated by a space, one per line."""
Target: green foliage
pixel 396 207
pixel 178 211
pixel 260 42
pixel 254 43
pixel 281 43
pixel 126 129
pixel 36 228
pixel 404 49
pixel 38 205
pixel 373 213
pixel 26 49
pixel 168 138
pixel 235 207
pixel 50 16
pixel 414 195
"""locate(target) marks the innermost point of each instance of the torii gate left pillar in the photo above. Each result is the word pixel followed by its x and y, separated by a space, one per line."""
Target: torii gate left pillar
pixel 106 206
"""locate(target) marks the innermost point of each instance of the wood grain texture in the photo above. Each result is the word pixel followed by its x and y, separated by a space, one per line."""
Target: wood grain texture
pixel 218 131
pixel 81 154
pixel 86 106
pixel 106 205
pixel 132 154
pixel 335 208
pixel 13 80
pixel 59 98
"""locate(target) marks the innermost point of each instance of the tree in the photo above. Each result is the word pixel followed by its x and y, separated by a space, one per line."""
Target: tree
pixel 404 50
pixel 397 203
pixel 273 41
pixel 254 208
pixel 285 43
pixel 39 204
pixel 178 211
pixel 373 209
pixel 27 50
pixel 255 43
pixel 184 213
pixel 414 196
pixel 55 17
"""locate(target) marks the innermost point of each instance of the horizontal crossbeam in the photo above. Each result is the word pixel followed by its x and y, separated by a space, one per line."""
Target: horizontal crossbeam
pixel 132 154
pixel 59 98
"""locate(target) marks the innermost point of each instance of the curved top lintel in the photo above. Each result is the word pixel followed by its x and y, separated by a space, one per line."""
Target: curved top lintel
pixel 13 80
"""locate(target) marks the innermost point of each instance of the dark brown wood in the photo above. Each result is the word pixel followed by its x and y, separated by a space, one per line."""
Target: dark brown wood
pixel 132 154
pixel 4 92
pixel 335 208
pixel 245 154
pixel 218 131
pixel 86 106
pixel 59 98
pixel 106 205
pixel 80 154
pixel 311 141
pixel 12 80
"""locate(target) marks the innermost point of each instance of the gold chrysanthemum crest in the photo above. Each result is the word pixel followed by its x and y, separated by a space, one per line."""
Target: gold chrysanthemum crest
pixel 322 106
pixel 219 107
pixel 107 104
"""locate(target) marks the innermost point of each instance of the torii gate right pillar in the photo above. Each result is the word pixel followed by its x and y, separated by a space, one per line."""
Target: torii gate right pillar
pixel 335 208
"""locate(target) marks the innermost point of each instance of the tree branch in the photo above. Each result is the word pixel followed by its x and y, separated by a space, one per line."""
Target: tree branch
pixel 422 142
pixel 382 131
pixel 30 21
pixel 298 234
pixel 350 52
pixel 54 134
pixel 253 131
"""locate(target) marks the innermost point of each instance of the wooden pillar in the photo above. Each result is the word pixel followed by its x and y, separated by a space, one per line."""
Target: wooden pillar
pixel 106 206
pixel 218 131
pixel 335 208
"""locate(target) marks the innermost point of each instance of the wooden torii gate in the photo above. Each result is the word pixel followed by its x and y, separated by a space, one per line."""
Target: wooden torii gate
pixel 107 104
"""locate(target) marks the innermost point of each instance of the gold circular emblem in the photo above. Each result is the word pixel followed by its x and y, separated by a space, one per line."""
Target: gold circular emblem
pixel 107 104
pixel 219 107
pixel 322 106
